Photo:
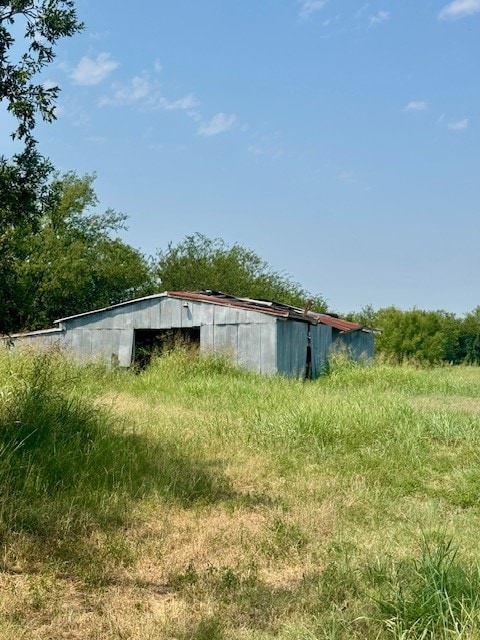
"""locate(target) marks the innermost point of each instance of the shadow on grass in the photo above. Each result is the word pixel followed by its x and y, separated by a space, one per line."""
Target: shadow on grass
pixel 67 470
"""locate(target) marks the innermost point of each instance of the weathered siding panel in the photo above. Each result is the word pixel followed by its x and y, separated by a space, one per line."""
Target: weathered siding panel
pixel 268 348
pixel 220 315
pixel 233 316
pixel 177 313
pixel 321 339
pixel 202 313
pixel 226 341
pixel 292 341
pixel 125 348
pixel 166 314
pixel 299 342
pixel 140 314
pixel 187 316
pixel 283 347
pixel 358 344
pixel 207 338
pixel 46 340
pixel 249 346
pixel 85 343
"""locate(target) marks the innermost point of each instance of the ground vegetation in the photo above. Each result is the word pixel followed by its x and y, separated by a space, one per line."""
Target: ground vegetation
pixel 195 500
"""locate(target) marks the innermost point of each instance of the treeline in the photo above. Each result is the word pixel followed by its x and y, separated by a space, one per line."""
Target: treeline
pixel 71 259
pixel 424 336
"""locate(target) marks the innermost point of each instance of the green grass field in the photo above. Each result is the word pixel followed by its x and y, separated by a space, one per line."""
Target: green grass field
pixel 196 501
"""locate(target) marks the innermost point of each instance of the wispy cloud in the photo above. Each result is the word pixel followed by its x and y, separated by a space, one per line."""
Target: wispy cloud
pixel 220 123
pixel 416 105
pixel 266 146
pixel 187 103
pixel 459 9
pixel 137 90
pixel 89 71
pixel 378 18
pixel 459 125
pixel 145 94
pixel 361 11
pixel 351 178
pixel 307 7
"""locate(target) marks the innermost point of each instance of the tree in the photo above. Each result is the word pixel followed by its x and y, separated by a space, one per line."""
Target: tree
pixel 199 263
pixel 469 337
pixel 74 263
pixel 24 179
pixel 424 336
pixel 44 22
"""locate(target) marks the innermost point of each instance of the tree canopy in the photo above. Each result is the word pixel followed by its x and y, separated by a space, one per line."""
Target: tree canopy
pixel 25 178
pixel 43 22
pixel 428 337
pixel 199 262
pixel 75 262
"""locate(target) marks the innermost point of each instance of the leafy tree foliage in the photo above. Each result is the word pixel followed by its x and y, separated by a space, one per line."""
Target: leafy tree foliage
pixel 74 263
pixel 469 337
pixel 425 336
pixel 24 179
pixel 199 263
pixel 44 22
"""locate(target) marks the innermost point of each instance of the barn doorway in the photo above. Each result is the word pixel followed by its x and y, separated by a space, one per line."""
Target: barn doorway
pixel 154 342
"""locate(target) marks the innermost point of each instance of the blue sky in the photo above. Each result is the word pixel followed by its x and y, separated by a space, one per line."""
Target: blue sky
pixel 339 139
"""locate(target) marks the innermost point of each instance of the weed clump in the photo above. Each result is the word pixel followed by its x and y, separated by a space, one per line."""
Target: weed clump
pixel 433 597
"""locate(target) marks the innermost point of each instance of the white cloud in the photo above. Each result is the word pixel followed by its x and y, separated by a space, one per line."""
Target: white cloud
pixel 266 146
pixel 459 9
pixel 310 6
pixel 194 115
pixel 459 125
pixel 416 105
pixel 89 72
pixel 146 94
pixel 378 18
pixel 158 66
pixel 138 89
pixel 220 123
pixel 361 11
pixel 187 103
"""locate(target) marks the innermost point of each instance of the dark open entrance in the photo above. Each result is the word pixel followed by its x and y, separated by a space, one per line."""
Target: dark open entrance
pixel 308 360
pixel 149 342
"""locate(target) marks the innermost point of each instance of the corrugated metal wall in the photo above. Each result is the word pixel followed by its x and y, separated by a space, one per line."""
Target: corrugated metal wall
pixel 247 337
pixel 292 342
pixel 358 344
pixel 256 341
pixel 321 339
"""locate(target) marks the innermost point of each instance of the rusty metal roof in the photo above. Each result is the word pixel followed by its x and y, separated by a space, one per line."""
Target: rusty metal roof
pixel 339 323
pixel 249 304
pixel 267 306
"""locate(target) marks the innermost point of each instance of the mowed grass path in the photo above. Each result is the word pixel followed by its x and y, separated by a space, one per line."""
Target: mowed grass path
pixel 194 500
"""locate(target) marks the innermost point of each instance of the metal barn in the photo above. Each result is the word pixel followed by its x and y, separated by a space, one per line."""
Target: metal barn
pixel 259 335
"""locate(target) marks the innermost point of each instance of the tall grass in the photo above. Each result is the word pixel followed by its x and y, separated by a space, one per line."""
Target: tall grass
pixel 210 502
pixel 433 597
pixel 69 467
